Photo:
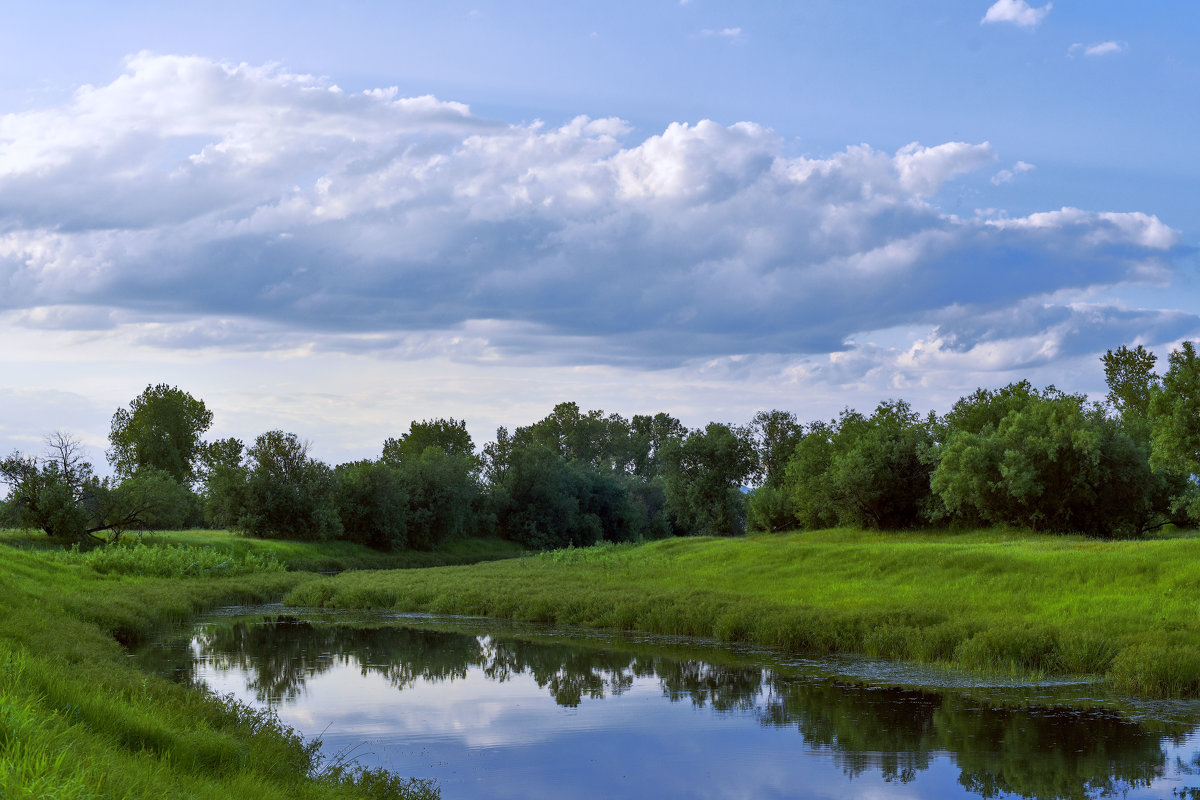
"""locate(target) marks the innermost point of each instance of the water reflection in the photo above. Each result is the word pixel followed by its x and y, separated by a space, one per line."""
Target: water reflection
pixel 894 736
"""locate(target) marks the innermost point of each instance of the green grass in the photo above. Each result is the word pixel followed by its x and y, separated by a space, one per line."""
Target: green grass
pixel 333 556
pixel 77 721
pixel 991 601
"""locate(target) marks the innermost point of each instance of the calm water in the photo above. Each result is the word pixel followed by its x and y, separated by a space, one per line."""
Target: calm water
pixel 494 711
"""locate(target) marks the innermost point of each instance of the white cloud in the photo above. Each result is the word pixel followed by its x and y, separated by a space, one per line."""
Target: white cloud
pixel 733 34
pixel 1007 175
pixel 193 212
pixel 1099 49
pixel 1017 12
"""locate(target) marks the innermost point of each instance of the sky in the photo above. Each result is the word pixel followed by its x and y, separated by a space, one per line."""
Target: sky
pixel 336 219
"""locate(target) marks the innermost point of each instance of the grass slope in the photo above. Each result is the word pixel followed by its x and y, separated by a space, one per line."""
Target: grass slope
pixel 77 721
pixel 988 600
pixel 334 556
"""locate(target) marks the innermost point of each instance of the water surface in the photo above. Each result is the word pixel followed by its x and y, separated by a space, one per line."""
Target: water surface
pixel 509 711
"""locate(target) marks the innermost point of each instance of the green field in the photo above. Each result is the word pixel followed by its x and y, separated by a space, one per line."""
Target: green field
pixel 77 721
pixel 1127 612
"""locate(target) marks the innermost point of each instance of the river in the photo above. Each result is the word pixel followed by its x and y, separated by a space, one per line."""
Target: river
pixel 494 710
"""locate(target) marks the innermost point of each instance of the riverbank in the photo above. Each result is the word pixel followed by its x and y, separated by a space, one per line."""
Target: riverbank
pixel 78 721
pixel 1124 612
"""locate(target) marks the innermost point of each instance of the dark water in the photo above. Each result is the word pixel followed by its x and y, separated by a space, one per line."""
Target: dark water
pixel 496 711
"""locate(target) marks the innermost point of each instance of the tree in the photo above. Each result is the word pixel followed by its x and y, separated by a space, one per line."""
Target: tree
pixel 704 475
pixel 879 470
pixel 223 477
pixel 161 429
pixel 443 496
pixel 1057 463
pixel 60 494
pixel 1175 424
pixel 544 502
pixel 288 494
pixel 372 504
pixel 649 436
pixel 447 435
pixel 1131 381
pixel 776 434
pixel 806 478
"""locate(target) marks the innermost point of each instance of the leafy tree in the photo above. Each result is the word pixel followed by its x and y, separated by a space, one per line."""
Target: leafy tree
pixel 1056 464
pixel 544 501
pixel 770 509
pixel 649 435
pixel 60 494
pixel 443 496
pixel 776 434
pixel 704 475
pixel 224 476
pixel 1175 423
pixel 806 478
pixel 288 494
pixel 160 429
pixel 879 469
pixel 372 504
pixel 1131 381
pixel 447 435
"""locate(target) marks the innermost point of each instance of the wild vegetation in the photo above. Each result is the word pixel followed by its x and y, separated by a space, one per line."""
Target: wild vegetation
pixel 991 600
pixel 77 721
pixel 1041 459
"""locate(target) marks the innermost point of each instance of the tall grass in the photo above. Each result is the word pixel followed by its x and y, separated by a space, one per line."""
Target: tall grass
pixel 170 561
pixel 78 721
pixel 990 601
pixel 334 556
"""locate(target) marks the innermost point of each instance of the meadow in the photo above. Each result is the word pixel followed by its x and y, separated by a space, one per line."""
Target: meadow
pixel 77 721
pixel 991 601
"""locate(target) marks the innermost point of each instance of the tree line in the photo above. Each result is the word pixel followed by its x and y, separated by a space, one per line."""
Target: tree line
pixel 1037 458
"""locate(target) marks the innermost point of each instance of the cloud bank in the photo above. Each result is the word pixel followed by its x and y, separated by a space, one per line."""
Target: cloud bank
pixel 202 204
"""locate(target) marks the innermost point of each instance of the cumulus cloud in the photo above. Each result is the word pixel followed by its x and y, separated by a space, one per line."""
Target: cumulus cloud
pixel 196 204
pixel 1016 12
pixel 1007 175
pixel 1098 49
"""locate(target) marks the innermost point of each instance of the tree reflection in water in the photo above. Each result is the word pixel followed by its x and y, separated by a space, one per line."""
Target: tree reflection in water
pixel 1035 752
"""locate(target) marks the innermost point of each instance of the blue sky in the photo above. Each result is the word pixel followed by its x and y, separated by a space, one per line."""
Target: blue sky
pixel 334 220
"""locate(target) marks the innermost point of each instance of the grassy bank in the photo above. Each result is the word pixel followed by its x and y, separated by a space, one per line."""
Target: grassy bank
pixel 991 601
pixel 77 721
pixel 334 556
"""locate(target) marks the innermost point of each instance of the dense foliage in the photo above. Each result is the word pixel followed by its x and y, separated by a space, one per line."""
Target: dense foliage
pixel 1041 459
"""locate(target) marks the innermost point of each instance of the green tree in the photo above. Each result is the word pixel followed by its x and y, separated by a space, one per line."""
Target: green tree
pixel 60 494
pixel 704 475
pixel 372 504
pixel 879 468
pixel 448 435
pixel 288 494
pixel 649 435
pixel 776 434
pixel 161 429
pixel 807 481
pixel 1175 424
pixel 223 478
pixel 443 496
pixel 1057 463
pixel 1131 381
